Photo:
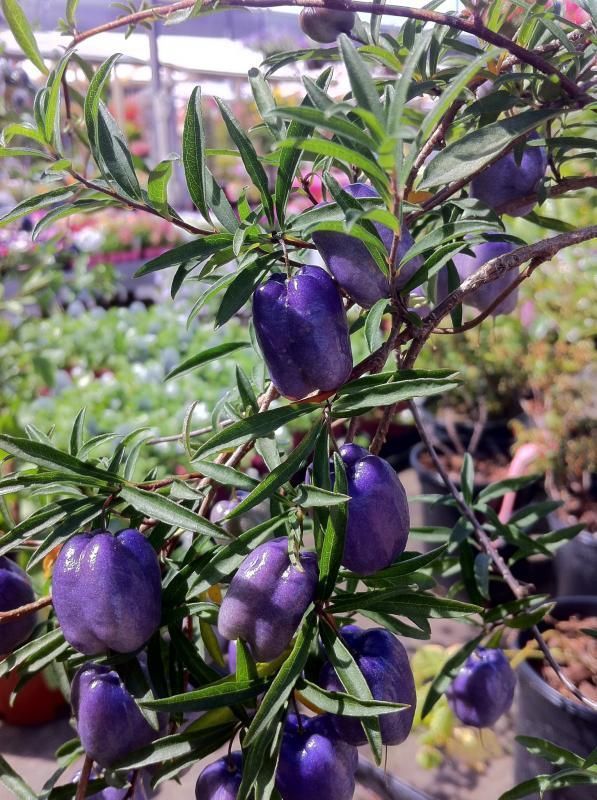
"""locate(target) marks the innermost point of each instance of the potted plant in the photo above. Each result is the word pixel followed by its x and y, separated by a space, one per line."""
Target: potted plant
pixel 550 711
pixel 564 438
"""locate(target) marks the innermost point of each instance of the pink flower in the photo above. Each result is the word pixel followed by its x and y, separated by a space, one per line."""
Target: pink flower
pixel 575 13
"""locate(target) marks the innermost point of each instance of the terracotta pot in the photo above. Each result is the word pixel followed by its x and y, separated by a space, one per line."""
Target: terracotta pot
pixel 35 704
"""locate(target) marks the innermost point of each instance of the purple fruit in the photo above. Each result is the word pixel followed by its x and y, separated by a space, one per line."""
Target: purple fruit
pixel 107 591
pixel 221 780
pixel 315 762
pixel 15 591
pixel 112 793
pixel 378 517
pixel 303 332
pixel 483 690
pixel 483 297
pixel 385 666
pixel 324 25
pixel 109 722
pixel 267 598
pixel 506 180
pixel 351 264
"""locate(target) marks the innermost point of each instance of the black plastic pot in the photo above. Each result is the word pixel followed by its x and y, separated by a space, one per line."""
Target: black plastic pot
pixel 496 438
pixel 576 562
pixel 537 569
pixel 546 714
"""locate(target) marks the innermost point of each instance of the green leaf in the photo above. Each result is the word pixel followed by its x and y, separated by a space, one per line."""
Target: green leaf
pixel 71 10
pixel 353 399
pixel 280 475
pixel 218 202
pixel 249 156
pixel 77 432
pixel 38 202
pixel 373 323
pixel 410 563
pixel 17 152
pixel 447 673
pixel 284 681
pixel 313 497
pixel 500 488
pixel 45 456
pixel 37 648
pixel 92 101
pixel 353 681
pixel 13 782
pixel 290 158
pixel 21 30
pixel 543 783
pixel 226 692
pixel 344 704
pixel 400 96
pixel 479 148
pixel 196 250
pixel 52 119
pixel 84 512
pixel 24 129
pixel 226 476
pixel 240 290
pixel 550 752
pixel 333 541
pixel 467 478
pixel 246 668
pixel 363 87
pixel 254 427
pixel 193 152
pixel 166 510
pixel 157 185
pixel 205 357
pixel 197 744
pixel 313 118
pixel 115 154
pixel 265 102
pixel 325 147
pixel 405 604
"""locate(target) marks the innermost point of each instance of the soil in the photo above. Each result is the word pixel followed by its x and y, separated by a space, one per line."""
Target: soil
pixel 576 652
pixel 580 509
pixel 487 470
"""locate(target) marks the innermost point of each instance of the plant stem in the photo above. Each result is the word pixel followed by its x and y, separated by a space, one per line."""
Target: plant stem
pixel 22 611
pixel 84 779
pixel 475 28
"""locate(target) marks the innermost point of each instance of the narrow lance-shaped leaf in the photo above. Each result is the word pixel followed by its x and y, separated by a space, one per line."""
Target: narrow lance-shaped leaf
pixel 193 152
pixel 21 30
pixel 115 154
pixel 447 674
pixel 157 185
pixel 265 102
pixel 92 101
pixel 333 541
pixel 280 475
pixel 205 357
pixel 362 85
pixel 249 156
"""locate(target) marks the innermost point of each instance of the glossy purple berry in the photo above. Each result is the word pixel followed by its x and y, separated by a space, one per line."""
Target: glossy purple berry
pixel 107 591
pixel 109 722
pixel 267 598
pixel 483 690
pixel 324 25
pixel 378 516
pixel 507 180
pixel 15 591
pixel 384 663
pixel 238 525
pixel 315 762
pixel 302 330
pixel 485 295
pixel 221 780
pixel 352 265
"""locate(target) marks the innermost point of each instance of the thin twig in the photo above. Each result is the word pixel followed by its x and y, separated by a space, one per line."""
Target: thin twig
pixel 557 669
pixel 460 23
pixel 22 611
pixel 84 778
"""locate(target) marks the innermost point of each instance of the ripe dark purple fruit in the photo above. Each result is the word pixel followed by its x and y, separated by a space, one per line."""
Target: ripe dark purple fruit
pixel 245 522
pixel 107 591
pixel 267 598
pixel 303 332
pixel 324 25
pixel 315 762
pixel 351 264
pixel 485 295
pixel 506 180
pixel 378 517
pixel 109 722
pixel 220 780
pixel 15 591
pixel 483 690
pixel 385 666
